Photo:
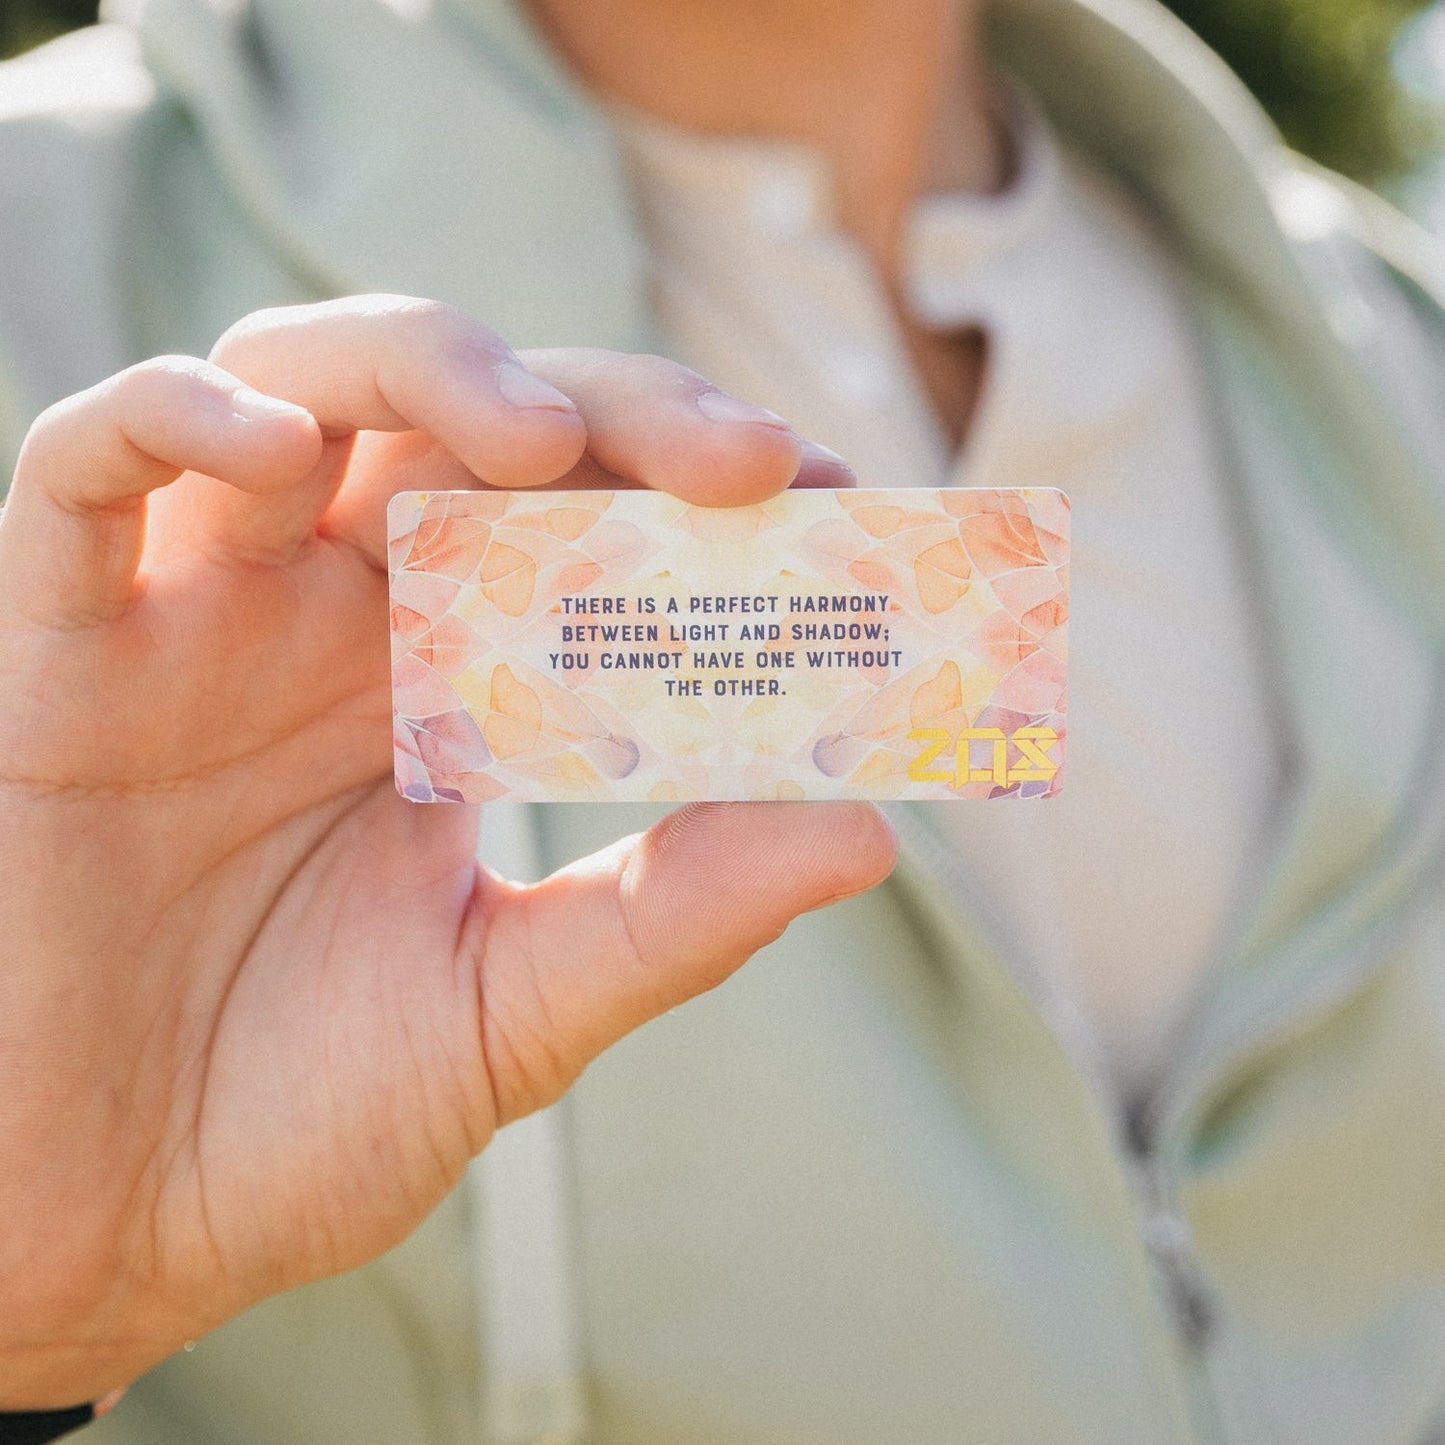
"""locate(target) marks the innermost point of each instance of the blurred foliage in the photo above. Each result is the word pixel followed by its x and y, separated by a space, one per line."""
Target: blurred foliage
pixel 1322 68
pixel 24 23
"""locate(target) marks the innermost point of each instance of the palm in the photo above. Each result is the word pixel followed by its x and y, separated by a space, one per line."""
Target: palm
pixel 327 1047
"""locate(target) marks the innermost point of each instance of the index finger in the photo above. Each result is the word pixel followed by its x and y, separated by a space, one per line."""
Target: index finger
pixel 74 523
pixel 390 364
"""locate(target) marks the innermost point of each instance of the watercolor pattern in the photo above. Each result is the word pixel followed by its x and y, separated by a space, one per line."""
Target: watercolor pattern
pixel 976 624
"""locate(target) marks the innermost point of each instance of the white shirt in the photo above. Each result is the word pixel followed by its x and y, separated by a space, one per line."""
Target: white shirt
pixel 1094 385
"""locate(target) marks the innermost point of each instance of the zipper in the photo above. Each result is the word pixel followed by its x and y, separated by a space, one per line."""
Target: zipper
pixel 1142 1136
pixel 1169 1238
pixel 1337 975
pixel 1187 1307
pixel 1060 1013
pixel 1160 1226
pixel 1164 1114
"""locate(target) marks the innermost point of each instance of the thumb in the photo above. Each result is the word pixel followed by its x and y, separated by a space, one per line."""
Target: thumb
pixel 573 963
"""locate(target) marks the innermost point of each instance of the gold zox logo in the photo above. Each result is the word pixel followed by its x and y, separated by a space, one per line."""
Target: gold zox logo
pixel 981 755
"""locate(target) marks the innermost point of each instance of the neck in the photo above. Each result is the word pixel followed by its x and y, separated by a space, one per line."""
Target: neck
pixel 895 97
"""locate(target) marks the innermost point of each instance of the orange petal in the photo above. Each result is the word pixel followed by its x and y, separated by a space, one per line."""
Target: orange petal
pixel 450 646
pixel 941 694
pixel 406 623
pixel 1001 642
pixel 479 788
pixel 942 574
pixel 1002 540
pixel 508 578
pixel 831 542
pixel 879 521
pixel 449 546
pixel 568 523
pixel 877 767
pixel 875 576
pixel 578 577
pixel 486 504
pixel 515 721
pixel 884 520
pixel 423 593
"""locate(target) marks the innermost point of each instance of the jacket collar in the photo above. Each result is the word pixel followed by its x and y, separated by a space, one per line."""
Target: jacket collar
pixel 1128 84
pixel 390 145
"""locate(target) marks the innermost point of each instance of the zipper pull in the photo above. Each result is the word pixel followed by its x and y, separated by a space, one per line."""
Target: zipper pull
pixel 1168 1237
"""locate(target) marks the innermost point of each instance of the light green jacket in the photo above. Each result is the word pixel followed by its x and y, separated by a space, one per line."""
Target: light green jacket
pixel 872 1190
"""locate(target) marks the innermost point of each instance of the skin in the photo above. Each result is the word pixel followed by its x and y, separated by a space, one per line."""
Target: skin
pixel 257 1012
pixel 896 98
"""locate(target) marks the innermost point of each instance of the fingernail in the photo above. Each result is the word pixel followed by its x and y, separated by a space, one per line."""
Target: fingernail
pixel 719 406
pixel 528 392
pixel 821 467
pixel 252 405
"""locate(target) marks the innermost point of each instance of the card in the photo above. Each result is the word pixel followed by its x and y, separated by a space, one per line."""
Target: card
pixel 606 646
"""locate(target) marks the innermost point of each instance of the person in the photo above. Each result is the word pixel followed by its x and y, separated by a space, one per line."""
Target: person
pixel 1113 1120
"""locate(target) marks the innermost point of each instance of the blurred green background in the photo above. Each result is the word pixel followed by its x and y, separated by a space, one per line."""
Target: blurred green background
pixel 24 23
pixel 1322 67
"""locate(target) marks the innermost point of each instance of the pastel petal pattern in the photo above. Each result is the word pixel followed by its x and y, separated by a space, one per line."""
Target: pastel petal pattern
pixel 599 645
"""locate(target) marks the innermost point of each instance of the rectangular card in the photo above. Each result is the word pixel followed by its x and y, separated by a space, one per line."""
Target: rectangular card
pixel 607 646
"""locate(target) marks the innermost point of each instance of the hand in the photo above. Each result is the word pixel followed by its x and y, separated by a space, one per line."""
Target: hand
pixel 257 1012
